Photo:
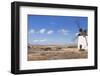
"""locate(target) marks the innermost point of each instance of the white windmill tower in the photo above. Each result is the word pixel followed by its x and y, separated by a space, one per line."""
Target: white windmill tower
pixel 82 38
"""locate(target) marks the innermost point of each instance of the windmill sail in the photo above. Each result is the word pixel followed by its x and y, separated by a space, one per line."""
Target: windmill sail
pixel 82 36
pixel 78 24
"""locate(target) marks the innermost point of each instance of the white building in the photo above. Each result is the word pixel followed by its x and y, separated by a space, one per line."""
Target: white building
pixel 83 42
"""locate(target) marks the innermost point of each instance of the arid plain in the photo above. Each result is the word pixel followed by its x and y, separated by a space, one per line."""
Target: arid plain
pixel 55 52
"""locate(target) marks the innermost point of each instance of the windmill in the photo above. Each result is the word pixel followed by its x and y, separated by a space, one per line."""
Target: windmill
pixel 82 37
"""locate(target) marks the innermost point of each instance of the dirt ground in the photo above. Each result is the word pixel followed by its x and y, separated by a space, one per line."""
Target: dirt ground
pixel 37 53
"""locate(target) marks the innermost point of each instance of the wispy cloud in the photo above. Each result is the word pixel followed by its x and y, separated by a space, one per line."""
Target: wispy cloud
pixel 31 31
pixel 35 40
pixel 45 31
pixel 43 40
pixel 39 40
pixel 64 32
pixel 50 32
pixel 42 31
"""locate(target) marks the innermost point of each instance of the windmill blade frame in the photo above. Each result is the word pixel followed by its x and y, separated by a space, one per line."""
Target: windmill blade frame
pixel 78 24
pixel 74 38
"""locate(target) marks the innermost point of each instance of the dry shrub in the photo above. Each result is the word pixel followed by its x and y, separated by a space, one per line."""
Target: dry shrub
pixel 36 57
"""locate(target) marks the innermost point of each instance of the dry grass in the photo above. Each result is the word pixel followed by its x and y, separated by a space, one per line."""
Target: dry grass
pixel 53 53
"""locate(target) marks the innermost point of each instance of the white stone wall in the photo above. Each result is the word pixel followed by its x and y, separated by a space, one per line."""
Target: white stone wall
pixel 82 41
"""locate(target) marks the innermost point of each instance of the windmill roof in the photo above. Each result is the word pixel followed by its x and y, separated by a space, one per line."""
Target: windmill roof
pixel 82 33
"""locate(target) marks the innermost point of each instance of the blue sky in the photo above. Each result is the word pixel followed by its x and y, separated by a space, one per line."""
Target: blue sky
pixel 48 30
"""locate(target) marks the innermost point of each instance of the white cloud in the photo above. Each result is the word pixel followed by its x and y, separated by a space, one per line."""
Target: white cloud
pixel 64 32
pixel 31 31
pixel 42 40
pixel 35 40
pixel 42 31
pixel 50 32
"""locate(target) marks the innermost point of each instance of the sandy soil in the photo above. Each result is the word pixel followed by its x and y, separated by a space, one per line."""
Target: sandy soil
pixel 41 53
